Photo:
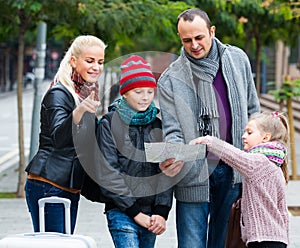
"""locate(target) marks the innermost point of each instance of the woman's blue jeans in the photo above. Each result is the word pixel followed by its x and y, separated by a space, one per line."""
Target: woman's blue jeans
pixel 204 224
pixel 54 213
pixel 126 233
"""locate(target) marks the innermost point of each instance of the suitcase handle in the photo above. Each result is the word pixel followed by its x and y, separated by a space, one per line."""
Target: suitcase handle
pixel 55 199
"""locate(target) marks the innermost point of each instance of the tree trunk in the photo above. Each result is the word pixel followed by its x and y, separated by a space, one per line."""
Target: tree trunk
pixel 22 175
pixel 248 42
pixel 292 138
pixel 289 106
pixel 257 64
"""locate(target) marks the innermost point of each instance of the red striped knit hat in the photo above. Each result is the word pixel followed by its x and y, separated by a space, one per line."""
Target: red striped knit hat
pixel 135 73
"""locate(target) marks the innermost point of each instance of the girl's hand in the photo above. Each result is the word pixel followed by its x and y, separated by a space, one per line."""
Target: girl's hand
pixel 87 105
pixel 171 168
pixel 143 220
pixel 196 141
pixel 158 224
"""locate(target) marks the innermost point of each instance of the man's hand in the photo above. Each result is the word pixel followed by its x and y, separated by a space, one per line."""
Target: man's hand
pixel 171 168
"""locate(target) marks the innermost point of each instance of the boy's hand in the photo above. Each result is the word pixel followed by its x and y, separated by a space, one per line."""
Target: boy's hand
pixel 158 224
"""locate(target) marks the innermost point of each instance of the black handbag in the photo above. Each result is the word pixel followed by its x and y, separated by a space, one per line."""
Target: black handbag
pixel 234 237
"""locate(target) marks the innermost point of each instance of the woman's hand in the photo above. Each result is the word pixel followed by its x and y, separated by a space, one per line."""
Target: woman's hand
pixel 87 105
pixel 158 224
pixel 171 168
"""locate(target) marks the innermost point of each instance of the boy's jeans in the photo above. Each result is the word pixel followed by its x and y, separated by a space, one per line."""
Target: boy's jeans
pixel 126 233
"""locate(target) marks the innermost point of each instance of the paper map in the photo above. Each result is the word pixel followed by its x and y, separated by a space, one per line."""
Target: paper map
pixel 160 151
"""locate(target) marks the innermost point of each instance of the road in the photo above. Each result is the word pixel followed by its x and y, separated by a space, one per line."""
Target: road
pixel 9 134
pixel 9 131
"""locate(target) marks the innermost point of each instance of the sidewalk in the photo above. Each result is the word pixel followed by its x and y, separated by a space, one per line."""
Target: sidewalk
pixel 14 216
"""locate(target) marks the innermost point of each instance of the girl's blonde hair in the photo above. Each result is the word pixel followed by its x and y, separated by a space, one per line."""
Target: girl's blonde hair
pixel 64 72
pixel 277 125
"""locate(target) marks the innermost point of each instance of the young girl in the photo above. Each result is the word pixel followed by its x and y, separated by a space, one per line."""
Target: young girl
pixel 55 169
pixel 264 219
pixel 138 215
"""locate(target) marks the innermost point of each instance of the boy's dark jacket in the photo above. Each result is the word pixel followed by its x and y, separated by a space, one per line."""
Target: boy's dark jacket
pixel 125 172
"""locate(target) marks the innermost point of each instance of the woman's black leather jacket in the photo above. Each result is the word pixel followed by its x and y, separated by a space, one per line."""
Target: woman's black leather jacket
pixel 56 159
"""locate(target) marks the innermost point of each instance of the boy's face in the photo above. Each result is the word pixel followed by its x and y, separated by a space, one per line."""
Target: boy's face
pixel 139 98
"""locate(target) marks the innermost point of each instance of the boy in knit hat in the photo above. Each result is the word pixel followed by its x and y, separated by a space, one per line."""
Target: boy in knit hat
pixel 137 215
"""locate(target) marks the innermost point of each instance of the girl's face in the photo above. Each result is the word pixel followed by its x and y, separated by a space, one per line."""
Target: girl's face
pixel 139 98
pixel 90 63
pixel 253 136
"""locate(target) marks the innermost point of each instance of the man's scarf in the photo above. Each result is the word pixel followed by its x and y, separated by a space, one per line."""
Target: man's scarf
pixel 274 151
pixel 204 71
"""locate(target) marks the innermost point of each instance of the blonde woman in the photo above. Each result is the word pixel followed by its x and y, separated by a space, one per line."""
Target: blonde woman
pixel 55 169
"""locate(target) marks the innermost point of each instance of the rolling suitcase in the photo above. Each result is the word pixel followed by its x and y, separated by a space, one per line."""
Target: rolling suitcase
pixel 49 239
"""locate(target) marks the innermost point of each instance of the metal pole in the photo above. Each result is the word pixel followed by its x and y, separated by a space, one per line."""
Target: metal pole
pixel 39 72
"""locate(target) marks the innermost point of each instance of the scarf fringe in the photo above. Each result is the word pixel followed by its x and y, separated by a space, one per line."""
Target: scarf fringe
pixel 213 113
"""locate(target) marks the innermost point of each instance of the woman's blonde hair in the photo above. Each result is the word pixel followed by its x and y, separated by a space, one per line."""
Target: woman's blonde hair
pixel 64 72
pixel 277 125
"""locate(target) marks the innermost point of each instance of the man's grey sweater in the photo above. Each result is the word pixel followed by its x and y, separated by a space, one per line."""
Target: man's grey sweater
pixel 177 97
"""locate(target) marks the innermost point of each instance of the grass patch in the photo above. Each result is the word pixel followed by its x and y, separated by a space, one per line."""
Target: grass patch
pixel 7 195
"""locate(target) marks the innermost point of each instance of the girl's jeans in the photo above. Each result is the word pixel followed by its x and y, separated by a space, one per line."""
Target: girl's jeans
pixel 267 244
pixel 126 233
pixel 54 213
